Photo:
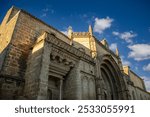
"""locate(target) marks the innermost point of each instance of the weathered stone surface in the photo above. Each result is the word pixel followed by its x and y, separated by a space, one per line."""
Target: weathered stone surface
pixel 39 62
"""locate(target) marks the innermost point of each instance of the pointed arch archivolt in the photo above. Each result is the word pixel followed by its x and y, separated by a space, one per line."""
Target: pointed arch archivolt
pixel 112 77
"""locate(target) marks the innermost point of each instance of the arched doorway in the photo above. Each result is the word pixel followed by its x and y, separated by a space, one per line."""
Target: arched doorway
pixel 112 78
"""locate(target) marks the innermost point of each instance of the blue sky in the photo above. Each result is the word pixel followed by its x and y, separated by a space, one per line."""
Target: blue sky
pixel 124 23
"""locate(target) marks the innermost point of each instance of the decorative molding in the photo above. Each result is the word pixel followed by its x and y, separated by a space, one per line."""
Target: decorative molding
pixel 61 44
pixel 81 34
pixel 89 74
pixel 60 57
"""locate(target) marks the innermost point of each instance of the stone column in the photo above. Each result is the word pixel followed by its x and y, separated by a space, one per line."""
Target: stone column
pixel 61 89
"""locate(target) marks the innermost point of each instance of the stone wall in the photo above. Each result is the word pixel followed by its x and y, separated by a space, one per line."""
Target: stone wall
pixel 33 70
pixel 138 94
pixel 88 87
pixel 79 63
pixel 10 87
pixel 26 54
pixel 72 84
pixel 138 82
pixel 6 32
pixel 26 31
pixel 19 31
pixel 101 50
pixel 82 43
pixel 80 82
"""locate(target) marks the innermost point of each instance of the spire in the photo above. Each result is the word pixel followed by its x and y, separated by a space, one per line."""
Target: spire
pixel 69 28
pixel 117 52
pixel 90 30
pixel 70 32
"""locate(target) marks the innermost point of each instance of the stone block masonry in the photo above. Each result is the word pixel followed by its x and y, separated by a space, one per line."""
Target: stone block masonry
pixel 39 62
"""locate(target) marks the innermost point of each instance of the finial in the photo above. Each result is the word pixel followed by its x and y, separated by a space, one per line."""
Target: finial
pixel 90 30
pixel 117 52
pixel 70 32
pixel 69 28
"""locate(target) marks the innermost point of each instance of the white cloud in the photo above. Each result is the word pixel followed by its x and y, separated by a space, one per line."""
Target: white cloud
pixel 147 82
pixel 115 33
pixel 65 32
pixel 113 46
pixel 127 36
pixel 125 62
pixel 139 51
pixel 147 68
pixel 102 24
pixel 46 11
pixel 44 15
pixel 136 68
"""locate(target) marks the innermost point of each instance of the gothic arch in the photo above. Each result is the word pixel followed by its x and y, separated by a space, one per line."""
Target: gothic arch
pixel 109 87
pixel 112 77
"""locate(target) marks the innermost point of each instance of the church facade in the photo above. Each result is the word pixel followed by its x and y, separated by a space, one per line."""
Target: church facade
pixel 39 62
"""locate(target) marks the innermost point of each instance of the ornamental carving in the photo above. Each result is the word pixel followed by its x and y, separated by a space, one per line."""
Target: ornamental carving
pixel 61 57
pixel 63 45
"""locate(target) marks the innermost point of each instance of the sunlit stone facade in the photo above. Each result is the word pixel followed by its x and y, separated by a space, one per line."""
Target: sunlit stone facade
pixel 39 62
